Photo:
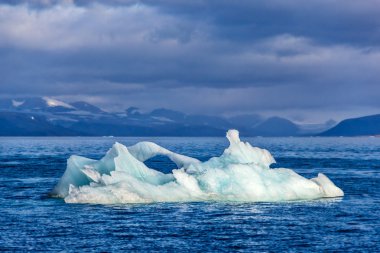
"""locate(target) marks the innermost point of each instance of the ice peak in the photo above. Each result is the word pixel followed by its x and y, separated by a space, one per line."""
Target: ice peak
pixel 233 136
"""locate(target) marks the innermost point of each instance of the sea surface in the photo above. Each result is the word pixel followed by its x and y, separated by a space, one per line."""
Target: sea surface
pixel 32 221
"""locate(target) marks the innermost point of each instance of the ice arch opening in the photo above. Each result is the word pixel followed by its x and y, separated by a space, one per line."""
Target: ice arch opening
pixel 161 163
pixel 143 151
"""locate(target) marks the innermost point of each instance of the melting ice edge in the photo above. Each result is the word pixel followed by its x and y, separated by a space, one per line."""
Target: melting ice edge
pixel 241 173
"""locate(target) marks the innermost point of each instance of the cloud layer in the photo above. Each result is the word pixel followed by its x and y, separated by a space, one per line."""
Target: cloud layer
pixel 292 58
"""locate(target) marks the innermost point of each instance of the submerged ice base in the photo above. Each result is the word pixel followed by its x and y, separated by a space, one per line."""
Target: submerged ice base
pixel 241 173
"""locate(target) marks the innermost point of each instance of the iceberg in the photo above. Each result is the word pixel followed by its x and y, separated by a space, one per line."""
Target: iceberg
pixel 241 173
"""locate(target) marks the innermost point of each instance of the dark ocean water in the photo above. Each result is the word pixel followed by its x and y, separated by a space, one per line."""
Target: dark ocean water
pixel 32 221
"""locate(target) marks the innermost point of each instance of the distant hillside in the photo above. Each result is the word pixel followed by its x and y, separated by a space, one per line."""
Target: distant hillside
pixel 368 125
pixel 275 126
pixel 21 124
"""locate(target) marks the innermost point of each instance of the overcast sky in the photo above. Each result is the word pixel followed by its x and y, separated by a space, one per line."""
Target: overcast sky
pixel 306 60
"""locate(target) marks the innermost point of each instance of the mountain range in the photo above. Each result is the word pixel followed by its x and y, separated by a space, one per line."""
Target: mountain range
pixel 44 116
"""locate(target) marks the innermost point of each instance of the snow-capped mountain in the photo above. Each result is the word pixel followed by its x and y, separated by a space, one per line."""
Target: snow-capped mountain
pixel 45 104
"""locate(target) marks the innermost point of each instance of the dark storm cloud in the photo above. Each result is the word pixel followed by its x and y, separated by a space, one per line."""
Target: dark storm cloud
pixel 353 22
pixel 255 55
pixel 347 22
